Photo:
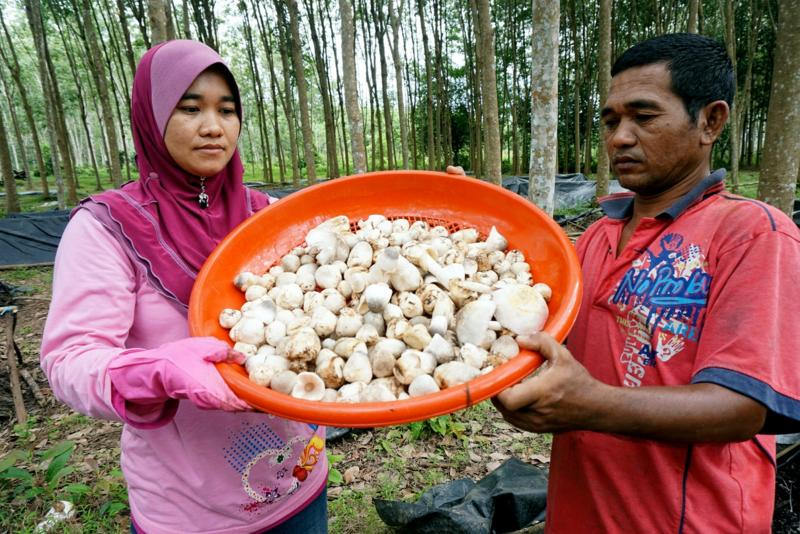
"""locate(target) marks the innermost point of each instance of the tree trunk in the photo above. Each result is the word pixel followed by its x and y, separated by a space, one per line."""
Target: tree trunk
pixel 12 202
pixel 302 92
pixel 82 105
pixel 603 85
pixel 428 84
pixel 489 92
pixel 255 80
pixel 693 7
pixel 99 75
pixel 544 104
pixel 730 44
pixel 17 133
pixel 157 15
pixel 332 161
pixel 779 170
pixel 394 18
pixel 57 143
pixel 350 87
pixel 288 107
pixel 380 33
pixel 339 94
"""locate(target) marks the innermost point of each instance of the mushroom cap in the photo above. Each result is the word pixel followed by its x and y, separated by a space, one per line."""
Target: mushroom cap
pixel 520 308
pixel 308 386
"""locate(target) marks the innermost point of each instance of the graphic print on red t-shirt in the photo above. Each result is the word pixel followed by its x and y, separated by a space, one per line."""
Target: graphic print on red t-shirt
pixel 661 301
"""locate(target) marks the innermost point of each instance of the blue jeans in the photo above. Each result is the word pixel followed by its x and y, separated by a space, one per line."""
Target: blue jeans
pixel 313 519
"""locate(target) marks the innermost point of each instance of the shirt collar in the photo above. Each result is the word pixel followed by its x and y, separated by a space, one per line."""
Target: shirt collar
pixel 620 205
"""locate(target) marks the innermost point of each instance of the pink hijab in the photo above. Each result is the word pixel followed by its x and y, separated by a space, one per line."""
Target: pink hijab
pixel 158 218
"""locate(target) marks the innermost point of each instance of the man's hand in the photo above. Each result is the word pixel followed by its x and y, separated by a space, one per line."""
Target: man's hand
pixel 561 396
pixel 452 169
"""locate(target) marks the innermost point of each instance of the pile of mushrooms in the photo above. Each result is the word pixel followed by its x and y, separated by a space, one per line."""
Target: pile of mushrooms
pixel 384 310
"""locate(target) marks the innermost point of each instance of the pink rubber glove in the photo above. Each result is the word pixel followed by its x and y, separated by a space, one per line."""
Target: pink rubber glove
pixel 148 384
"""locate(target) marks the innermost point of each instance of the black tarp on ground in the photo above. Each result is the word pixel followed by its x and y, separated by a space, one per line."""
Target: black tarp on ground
pixel 31 238
pixel 511 497
pixel 571 189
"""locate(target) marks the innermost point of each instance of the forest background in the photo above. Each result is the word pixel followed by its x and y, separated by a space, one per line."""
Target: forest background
pixel 335 87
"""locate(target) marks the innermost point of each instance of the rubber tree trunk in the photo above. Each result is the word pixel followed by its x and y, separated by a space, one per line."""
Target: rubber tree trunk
pixel 347 33
pixel 544 104
pixel 779 169
pixel 302 92
pixel 603 84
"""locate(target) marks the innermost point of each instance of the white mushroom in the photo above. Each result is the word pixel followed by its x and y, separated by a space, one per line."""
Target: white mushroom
pixel 521 309
pixel 360 255
pixel 331 371
pixel 264 310
pixel 323 321
pixel 349 323
pixel 453 373
pixel 422 385
pixel 410 304
pixel 248 330
pixel 495 240
pixel 346 346
pixel 255 292
pixel 289 296
pixel 377 322
pixel 307 281
pixel 303 346
pixel 229 317
pixel 413 363
pixel 245 348
pixel 472 322
pixel 244 280
pixel 275 331
pixel 368 334
pixel 504 347
pixel 284 279
pixel 290 263
pixel 328 276
pixel 473 355
pixel 283 381
pixel 351 393
pixel 334 300
pixel 544 290
pixel 377 393
pixel 330 395
pixel 416 336
pixel 312 300
pixel 375 298
pixel 357 368
pixel 441 349
pixel 382 362
pixel 309 387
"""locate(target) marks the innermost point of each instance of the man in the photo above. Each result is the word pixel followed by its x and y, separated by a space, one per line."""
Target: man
pixel 685 348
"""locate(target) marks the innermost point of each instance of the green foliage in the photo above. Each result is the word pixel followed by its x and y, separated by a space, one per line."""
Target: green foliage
pixel 444 425
pixel 335 476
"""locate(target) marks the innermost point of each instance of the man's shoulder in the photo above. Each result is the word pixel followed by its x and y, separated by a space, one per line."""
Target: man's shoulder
pixel 746 217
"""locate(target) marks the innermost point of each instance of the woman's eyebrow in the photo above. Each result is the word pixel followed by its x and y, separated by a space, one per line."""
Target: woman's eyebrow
pixel 195 96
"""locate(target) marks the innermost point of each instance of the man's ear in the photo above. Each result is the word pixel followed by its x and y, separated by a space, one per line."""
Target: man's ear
pixel 712 119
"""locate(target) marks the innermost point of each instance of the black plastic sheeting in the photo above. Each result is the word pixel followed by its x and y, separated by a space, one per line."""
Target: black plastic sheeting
pixel 31 238
pixel 510 498
pixel 572 190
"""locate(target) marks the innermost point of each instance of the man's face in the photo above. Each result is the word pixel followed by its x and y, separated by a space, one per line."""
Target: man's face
pixel 651 142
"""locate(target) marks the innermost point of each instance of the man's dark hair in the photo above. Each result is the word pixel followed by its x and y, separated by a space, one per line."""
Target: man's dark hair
pixel 700 68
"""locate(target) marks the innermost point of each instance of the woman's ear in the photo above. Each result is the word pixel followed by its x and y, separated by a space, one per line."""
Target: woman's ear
pixel 712 120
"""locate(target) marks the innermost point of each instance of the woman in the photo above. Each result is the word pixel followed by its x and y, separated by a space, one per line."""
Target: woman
pixel 116 342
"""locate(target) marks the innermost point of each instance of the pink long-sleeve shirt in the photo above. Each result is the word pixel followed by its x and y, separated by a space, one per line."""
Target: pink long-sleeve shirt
pixel 203 471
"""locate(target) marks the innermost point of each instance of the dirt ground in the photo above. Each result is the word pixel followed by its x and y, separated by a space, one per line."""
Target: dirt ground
pixel 385 463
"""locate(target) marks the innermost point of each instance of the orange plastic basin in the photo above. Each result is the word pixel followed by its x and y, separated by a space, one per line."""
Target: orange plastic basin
pixel 260 241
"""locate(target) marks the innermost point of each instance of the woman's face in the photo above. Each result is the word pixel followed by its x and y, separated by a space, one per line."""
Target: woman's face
pixel 202 131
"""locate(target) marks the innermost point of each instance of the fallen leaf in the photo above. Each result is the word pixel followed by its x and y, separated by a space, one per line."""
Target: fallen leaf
pixel 350 474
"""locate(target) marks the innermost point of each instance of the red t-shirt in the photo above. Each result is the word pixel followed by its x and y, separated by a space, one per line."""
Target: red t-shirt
pixel 705 292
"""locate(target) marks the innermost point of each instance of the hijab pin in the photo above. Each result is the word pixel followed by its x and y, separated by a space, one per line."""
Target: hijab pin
pixel 202 198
